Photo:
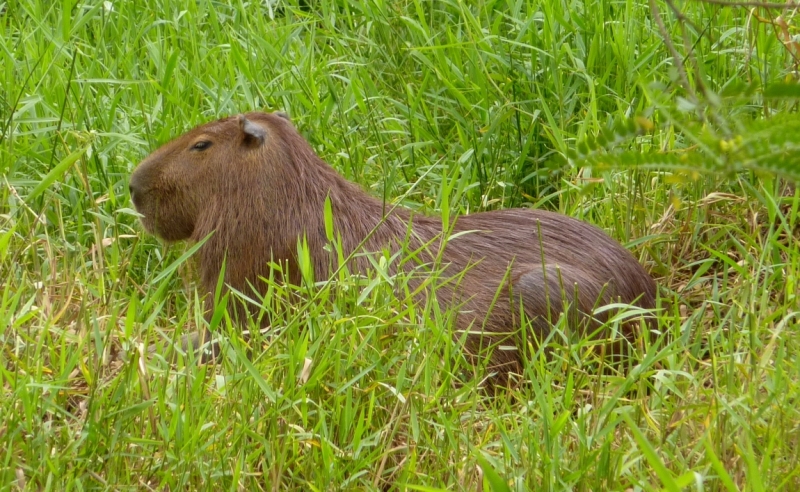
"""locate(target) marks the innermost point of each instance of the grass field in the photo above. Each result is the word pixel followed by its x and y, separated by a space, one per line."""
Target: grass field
pixel 450 106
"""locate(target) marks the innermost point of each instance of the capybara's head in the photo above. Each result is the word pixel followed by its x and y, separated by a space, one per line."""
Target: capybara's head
pixel 181 181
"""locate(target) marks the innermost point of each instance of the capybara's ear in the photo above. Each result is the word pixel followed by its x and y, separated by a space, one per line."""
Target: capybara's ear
pixel 252 134
pixel 283 115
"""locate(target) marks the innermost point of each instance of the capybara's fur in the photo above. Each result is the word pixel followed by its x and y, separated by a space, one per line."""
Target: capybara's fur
pixel 255 182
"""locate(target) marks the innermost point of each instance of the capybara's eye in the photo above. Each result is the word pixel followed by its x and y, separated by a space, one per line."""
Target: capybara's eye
pixel 201 145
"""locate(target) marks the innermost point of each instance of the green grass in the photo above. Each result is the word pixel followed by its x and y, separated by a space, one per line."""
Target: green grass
pixel 463 105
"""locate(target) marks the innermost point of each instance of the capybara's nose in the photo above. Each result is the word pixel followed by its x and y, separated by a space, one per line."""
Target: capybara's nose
pixel 135 185
pixel 134 190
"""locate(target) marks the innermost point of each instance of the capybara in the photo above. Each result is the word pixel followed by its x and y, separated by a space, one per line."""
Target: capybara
pixel 256 183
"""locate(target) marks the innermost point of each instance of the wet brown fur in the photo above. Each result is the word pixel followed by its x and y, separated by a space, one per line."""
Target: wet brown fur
pixel 260 187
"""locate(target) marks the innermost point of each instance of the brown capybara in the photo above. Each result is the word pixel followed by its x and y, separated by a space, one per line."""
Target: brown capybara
pixel 255 182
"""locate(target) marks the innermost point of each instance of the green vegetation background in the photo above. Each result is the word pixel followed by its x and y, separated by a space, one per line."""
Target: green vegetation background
pixel 456 107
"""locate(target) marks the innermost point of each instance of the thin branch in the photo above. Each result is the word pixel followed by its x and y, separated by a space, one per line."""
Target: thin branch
pixel 676 57
pixel 765 5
